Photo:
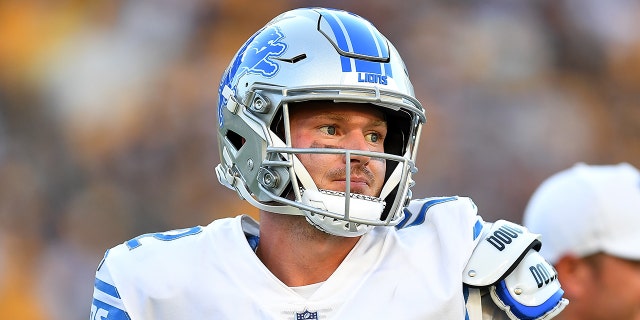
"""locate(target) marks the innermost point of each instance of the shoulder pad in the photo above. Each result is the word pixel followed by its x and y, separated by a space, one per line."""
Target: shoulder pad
pixel 499 250
pixel 531 290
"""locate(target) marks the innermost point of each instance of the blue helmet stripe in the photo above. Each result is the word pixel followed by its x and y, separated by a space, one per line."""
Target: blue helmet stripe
pixel 354 37
pixel 368 66
pixel 346 63
pixel 340 39
pixel 364 39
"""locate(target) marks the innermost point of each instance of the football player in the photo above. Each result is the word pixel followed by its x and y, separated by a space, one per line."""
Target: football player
pixel 318 127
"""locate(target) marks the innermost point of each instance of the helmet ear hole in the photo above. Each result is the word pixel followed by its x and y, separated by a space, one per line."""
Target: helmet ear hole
pixel 236 140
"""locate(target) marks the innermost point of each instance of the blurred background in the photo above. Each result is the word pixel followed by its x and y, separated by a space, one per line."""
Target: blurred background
pixel 107 116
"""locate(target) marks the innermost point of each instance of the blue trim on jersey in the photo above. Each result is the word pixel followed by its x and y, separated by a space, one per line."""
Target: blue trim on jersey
pixel 407 216
pixel 465 294
pixel 253 241
pixel 477 229
pixel 103 259
pixel 527 312
pixel 105 311
pixel 422 215
pixel 164 236
pixel 106 288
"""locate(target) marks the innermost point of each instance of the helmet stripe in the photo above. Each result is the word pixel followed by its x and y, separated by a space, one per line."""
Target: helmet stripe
pixel 353 37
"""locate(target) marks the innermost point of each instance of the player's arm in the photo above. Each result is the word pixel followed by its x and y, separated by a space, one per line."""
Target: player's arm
pixel 107 303
pixel 507 265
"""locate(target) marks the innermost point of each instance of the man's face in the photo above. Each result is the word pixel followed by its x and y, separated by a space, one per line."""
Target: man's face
pixel 619 286
pixel 340 126
pixel 613 288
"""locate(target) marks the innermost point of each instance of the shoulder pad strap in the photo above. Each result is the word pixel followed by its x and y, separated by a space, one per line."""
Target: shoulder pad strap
pixel 498 252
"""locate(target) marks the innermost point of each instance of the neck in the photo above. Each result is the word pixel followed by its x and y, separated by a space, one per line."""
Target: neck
pixel 296 252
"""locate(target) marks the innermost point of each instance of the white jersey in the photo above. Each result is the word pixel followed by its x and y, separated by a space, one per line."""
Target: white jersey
pixel 212 272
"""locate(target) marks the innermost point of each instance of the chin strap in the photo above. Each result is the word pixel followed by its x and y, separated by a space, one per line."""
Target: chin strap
pixel 394 179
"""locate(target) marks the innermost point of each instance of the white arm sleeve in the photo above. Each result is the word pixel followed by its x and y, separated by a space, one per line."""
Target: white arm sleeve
pixel 107 303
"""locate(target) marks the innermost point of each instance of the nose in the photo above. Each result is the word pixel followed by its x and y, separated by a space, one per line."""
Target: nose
pixel 357 141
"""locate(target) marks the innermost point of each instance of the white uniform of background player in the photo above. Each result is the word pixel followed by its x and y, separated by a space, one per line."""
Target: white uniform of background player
pixel 428 259
pixel 594 240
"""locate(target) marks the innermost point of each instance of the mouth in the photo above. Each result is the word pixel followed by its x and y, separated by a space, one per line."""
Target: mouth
pixel 353 195
pixel 360 181
pixel 356 186
pixel 356 181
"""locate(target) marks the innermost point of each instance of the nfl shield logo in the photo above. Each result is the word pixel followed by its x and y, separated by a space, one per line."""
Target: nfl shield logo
pixel 306 315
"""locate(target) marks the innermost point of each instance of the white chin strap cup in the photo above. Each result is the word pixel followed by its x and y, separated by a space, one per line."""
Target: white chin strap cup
pixel 360 207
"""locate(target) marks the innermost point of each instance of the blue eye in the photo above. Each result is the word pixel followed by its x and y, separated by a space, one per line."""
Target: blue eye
pixel 373 137
pixel 330 130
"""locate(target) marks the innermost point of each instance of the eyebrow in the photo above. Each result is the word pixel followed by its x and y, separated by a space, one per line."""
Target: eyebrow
pixel 339 117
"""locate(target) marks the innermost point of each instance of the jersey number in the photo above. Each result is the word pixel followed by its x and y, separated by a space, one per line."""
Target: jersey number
pixel 164 236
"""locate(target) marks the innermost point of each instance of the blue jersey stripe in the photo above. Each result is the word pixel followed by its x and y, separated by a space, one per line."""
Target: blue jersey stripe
pixel 477 228
pixel 105 311
pixel 107 288
pixel 421 216
pixel 465 293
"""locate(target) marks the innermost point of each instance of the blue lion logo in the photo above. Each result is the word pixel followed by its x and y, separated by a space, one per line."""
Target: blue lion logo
pixel 257 57
pixel 254 57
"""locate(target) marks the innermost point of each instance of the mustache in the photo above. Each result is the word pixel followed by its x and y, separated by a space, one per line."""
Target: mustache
pixel 357 170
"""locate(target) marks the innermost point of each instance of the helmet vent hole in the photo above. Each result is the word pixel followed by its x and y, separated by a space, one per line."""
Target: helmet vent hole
pixel 294 59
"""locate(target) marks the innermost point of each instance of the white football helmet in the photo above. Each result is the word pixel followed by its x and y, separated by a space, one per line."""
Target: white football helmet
pixel 304 55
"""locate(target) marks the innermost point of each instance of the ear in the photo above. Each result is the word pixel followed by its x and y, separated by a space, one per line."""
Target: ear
pixel 575 276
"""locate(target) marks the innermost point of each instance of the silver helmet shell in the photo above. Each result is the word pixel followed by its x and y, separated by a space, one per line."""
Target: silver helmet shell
pixel 304 55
